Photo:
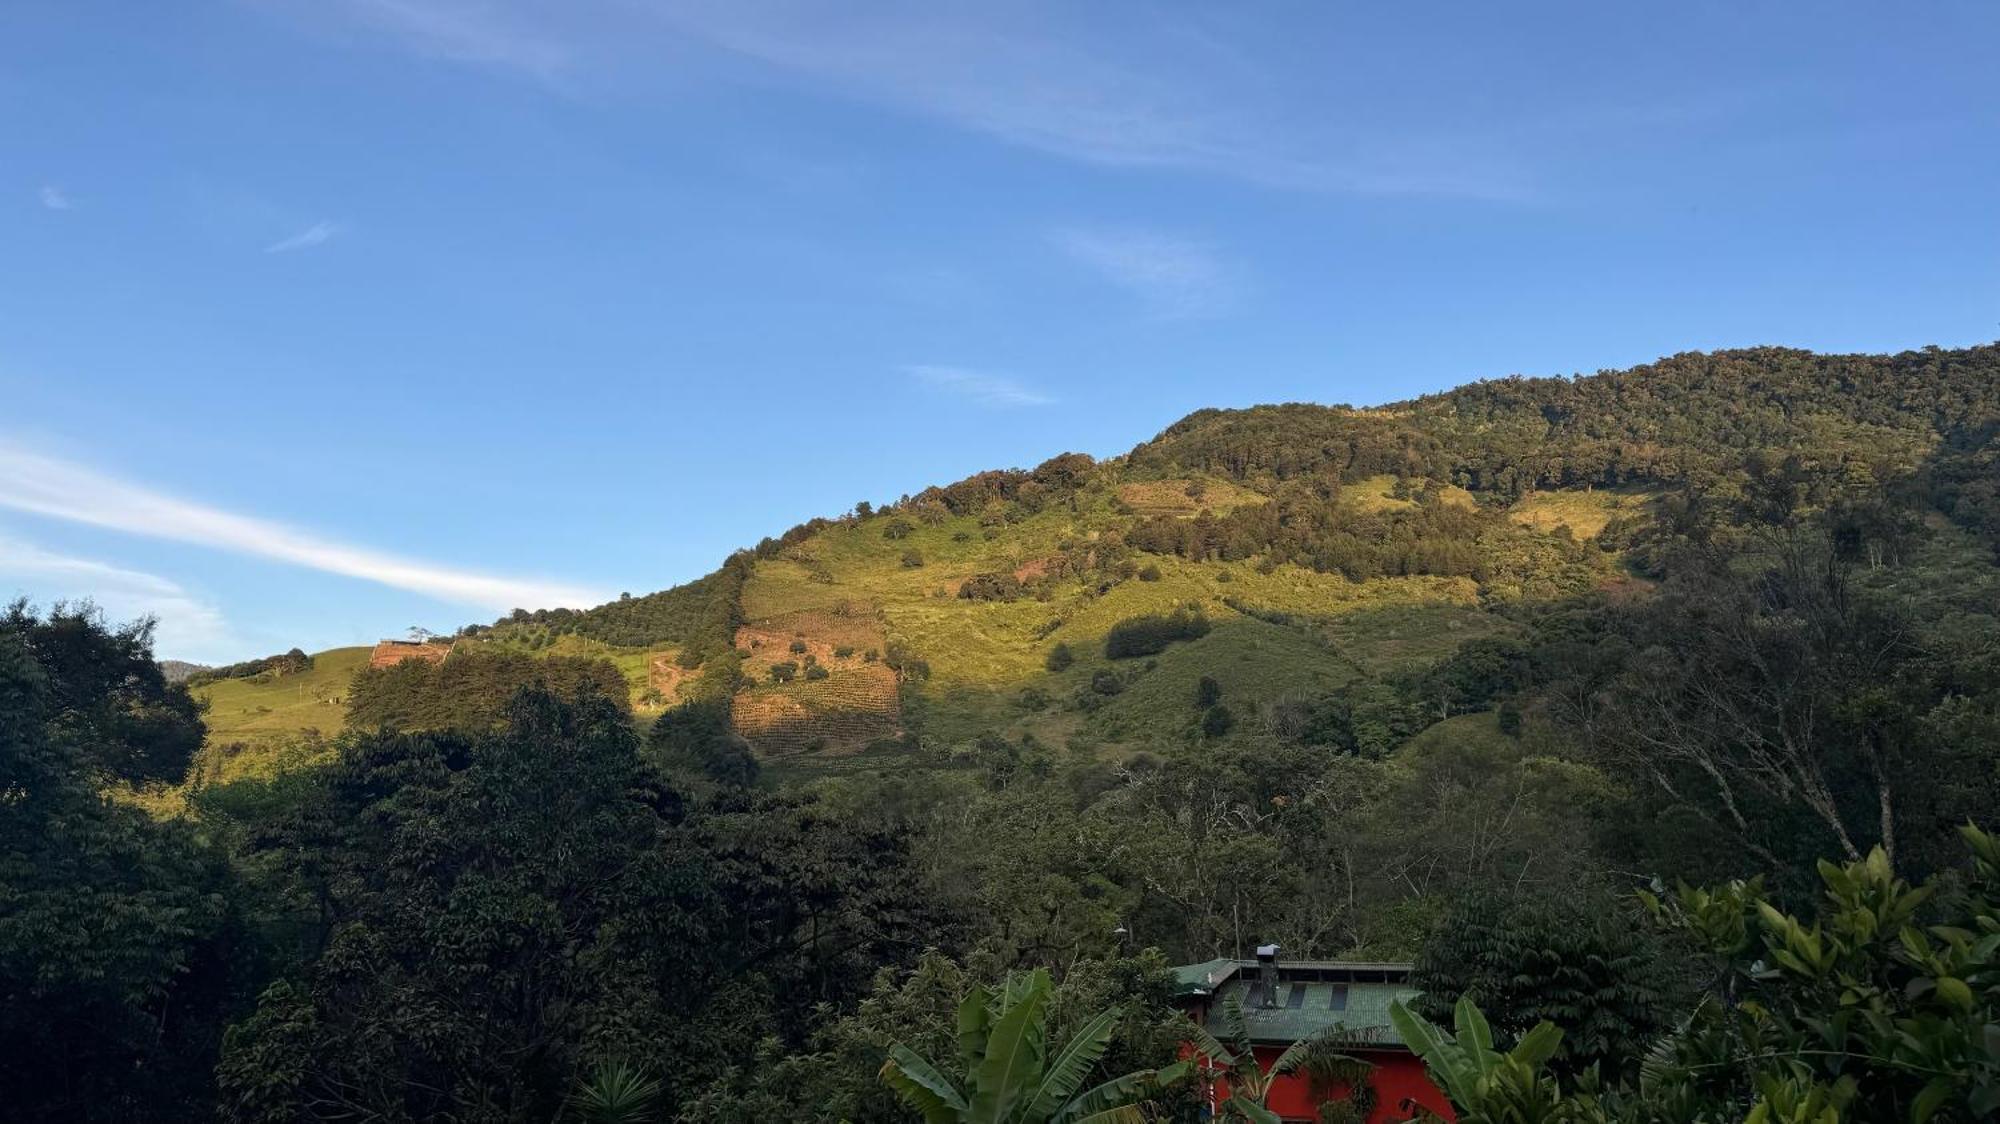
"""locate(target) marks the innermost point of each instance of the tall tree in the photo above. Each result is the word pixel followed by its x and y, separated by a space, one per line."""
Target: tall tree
pixel 116 931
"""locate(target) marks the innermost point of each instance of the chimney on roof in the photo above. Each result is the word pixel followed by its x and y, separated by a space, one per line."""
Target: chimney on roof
pixel 1267 975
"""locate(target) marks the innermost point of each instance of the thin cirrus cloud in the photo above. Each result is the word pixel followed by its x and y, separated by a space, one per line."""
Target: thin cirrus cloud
pixel 58 489
pixel 1155 93
pixel 55 199
pixel 1175 276
pixel 315 235
pixel 479 32
pixel 1173 94
pixel 187 624
pixel 995 391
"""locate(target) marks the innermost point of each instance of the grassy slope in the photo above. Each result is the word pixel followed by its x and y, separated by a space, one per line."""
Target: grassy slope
pixel 987 659
pixel 261 710
pixel 984 655
pixel 1584 513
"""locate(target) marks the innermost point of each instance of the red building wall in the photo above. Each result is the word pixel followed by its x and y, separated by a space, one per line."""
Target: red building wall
pixel 1400 1083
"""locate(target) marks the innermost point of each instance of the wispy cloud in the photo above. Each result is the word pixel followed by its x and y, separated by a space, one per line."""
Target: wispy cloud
pixel 59 489
pixel 1186 92
pixel 1176 276
pixel 477 32
pixel 314 235
pixel 987 390
pixel 54 198
pixel 188 626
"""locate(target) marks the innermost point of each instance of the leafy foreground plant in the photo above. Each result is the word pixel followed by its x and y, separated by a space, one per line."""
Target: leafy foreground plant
pixel 1339 1079
pixel 616 1093
pixel 1486 1085
pixel 1863 1015
pixel 1008 1077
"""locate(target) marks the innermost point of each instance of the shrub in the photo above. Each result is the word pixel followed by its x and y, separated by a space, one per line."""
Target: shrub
pixel 1217 721
pixel 1150 573
pixel 907 665
pixel 1106 682
pixel 1207 692
pixel 290 663
pixel 471 691
pixel 1060 657
pixel 815 673
pixel 784 672
pixel 870 656
pixel 912 559
pixel 898 529
pixel 994 586
pixel 843 651
pixel 798 646
pixel 1150 634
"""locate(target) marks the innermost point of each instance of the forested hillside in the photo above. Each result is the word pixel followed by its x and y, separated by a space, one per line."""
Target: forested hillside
pixel 1448 679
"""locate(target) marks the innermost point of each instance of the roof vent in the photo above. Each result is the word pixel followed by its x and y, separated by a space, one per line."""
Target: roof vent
pixel 1267 975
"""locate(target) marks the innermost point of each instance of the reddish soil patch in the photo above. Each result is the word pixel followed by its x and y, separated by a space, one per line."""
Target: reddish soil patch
pixel 389 653
pixel 1032 570
pixel 665 674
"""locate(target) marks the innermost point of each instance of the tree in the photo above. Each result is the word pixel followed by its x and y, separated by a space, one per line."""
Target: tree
pixel 1007 1075
pixel 695 741
pixel 493 915
pixel 1771 705
pixel 118 933
pixel 1149 635
pixel 1866 1014
pixel 1060 658
pixel 1564 955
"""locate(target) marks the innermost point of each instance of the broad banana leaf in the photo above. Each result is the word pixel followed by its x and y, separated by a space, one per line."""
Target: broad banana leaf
pixel 1011 1071
pixel 1060 1082
pixel 922 1087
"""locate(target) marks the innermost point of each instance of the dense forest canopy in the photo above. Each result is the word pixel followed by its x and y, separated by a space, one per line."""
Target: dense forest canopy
pixel 1455 680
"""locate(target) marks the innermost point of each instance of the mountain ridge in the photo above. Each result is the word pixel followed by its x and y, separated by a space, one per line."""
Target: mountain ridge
pixel 1322 542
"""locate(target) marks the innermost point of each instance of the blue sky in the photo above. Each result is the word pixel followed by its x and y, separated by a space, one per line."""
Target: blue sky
pixel 324 318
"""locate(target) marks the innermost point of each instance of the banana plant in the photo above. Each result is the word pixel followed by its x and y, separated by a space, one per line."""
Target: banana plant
pixel 1007 1076
pixel 1234 1056
pixel 1487 1085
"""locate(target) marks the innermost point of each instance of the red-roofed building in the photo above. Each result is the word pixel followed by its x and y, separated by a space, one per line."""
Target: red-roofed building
pixel 1344 1004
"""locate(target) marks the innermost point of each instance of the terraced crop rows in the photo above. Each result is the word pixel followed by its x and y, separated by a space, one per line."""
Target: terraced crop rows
pixel 854 705
pixel 842 713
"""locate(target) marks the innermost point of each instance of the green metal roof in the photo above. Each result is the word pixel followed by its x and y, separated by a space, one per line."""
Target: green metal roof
pixel 1200 979
pixel 1314 997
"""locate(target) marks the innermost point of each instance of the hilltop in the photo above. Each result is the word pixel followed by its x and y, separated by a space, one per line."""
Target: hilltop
pixel 1292 554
